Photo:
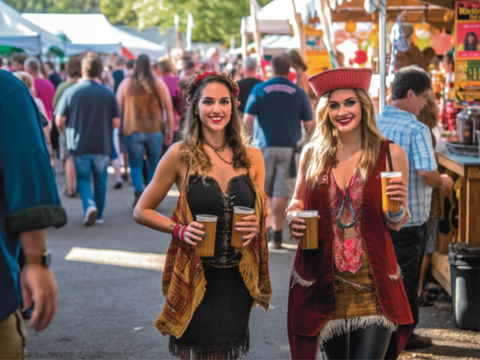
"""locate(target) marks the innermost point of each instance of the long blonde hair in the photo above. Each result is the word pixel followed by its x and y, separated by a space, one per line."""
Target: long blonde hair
pixel 27 79
pixel 192 153
pixel 323 144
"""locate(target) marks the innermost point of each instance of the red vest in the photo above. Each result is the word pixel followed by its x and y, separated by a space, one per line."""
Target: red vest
pixel 309 308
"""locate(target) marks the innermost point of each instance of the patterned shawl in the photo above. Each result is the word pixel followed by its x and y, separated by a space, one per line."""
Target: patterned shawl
pixel 184 280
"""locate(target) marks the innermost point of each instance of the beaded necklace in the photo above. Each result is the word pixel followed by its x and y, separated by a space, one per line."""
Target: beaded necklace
pixel 218 150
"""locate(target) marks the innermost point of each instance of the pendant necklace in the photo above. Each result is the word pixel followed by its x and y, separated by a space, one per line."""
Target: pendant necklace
pixel 218 150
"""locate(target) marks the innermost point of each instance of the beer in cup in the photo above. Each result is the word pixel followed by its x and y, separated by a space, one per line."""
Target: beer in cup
pixel 389 205
pixel 309 240
pixel 206 248
pixel 239 212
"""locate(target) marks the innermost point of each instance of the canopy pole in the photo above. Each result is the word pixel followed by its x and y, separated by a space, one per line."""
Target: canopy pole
pixel 325 15
pixel 299 33
pixel 256 34
pixel 382 10
pixel 178 36
pixel 243 31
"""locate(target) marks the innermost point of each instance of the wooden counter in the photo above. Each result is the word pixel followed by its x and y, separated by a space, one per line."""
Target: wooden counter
pixel 468 170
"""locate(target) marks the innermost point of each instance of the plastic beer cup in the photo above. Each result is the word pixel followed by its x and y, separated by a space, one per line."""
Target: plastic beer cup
pixel 239 212
pixel 309 240
pixel 206 248
pixel 388 205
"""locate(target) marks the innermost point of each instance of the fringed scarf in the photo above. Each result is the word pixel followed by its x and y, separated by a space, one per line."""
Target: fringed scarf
pixel 184 280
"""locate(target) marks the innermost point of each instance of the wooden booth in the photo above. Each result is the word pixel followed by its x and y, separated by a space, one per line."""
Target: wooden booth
pixel 465 201
pixel 463 206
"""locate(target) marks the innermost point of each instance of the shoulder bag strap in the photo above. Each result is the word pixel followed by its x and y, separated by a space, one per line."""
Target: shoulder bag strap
pixel 389 156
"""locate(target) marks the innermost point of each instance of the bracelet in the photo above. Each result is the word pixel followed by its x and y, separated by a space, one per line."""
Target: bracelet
pixel 396 217
pixel 176 231
pixel 182 233
pixel 289 219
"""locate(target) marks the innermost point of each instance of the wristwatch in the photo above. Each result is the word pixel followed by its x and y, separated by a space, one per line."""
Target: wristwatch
pixel 45 259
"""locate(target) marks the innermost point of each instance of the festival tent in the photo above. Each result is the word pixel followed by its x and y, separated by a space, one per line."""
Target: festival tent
pixel 277 16
pixel 17 32
pixel 95 30
pixel 274 17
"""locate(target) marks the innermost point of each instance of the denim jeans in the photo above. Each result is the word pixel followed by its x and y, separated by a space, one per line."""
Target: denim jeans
pixel 136 144
pixel 409 244
pixel 84 164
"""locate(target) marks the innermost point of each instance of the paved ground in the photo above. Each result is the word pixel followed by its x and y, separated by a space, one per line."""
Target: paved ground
pixel 107 312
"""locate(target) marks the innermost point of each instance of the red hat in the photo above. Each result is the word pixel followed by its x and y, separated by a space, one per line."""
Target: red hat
pixel 341 78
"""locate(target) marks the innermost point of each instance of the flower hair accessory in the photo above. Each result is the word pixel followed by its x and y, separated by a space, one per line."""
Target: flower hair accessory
pixel 237 92
pixel 203 75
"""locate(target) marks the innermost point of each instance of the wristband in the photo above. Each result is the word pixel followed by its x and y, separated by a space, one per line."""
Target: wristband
pixel 176 231
pixel 182 233
pixel 396 217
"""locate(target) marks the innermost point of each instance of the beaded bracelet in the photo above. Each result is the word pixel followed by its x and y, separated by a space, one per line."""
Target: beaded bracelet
pixel 396 217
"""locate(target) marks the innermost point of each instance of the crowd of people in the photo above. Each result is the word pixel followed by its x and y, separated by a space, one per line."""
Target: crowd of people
pixel 226 138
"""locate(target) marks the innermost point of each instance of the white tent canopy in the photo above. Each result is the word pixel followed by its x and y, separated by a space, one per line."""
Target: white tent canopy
pixel 96 33
pixel 276 16
pixel 15 31
pixel 272 45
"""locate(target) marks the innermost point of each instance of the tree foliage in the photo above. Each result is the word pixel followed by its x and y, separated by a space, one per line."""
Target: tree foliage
pixel 55 6
pixel 215 20
pixel 119 12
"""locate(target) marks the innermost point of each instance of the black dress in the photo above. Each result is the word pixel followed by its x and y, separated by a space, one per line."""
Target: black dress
pixel 219 326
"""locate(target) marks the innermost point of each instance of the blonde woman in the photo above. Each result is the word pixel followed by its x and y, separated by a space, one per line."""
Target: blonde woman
pixel 347 298
pixel 209 299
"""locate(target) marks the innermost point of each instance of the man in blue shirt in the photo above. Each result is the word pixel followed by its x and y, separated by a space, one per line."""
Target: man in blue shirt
pixel 89 112
pixel 280 106
pixel 29 203
pixel 410 91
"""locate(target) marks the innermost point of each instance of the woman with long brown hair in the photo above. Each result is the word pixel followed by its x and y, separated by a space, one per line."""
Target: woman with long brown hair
pixel 144 100
pixel 209 298
pixel 347 297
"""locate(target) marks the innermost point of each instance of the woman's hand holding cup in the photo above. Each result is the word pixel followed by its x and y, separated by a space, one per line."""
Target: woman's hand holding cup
pixel 250 225
pixel 297 227
pixel 397 191
pixel 194 233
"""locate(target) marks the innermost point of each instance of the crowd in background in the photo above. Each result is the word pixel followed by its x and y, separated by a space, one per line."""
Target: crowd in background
pixel 143 87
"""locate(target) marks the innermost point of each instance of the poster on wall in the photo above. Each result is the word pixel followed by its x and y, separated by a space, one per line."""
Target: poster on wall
pixel 467 53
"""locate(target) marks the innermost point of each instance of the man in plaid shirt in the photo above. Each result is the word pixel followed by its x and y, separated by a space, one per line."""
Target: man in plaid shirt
pixel 410 92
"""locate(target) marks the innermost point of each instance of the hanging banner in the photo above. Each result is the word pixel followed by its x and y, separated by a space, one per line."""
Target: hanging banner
pixel 467 53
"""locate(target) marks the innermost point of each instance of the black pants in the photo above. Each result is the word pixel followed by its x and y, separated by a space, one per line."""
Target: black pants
pixel 369 343
pixel 409 244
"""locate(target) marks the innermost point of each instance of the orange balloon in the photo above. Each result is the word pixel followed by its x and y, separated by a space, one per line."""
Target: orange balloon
pixel 351 26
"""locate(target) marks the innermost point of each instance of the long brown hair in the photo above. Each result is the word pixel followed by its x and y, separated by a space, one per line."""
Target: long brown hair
pixel 323 144
pixel 143 80
pixel 192 152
